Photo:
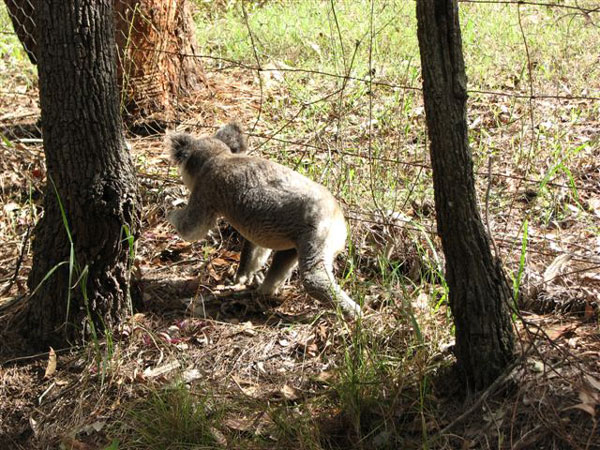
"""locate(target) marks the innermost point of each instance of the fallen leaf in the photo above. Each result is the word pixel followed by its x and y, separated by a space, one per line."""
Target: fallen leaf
pixel 558 331
pixel 556 268
pixel 219 437
pixel 251 391
pixel 162 370
pixel 213 274
pixel 325 377
pixel 588 408
pixel 242 424
pixel 594 205
pixel 288 392
pixel 220 262
pixel 248 387
pixel 34 426
pixel 51 366
pixel 590 400
pixel 589 311
pixel 593 382
pixel 249 329
pixel 589 397
pixel 312 349
pixel 191 375
pixel 94 427
pixel 256 425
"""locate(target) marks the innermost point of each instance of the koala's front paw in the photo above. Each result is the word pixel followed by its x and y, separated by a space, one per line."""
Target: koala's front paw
pixel 268 290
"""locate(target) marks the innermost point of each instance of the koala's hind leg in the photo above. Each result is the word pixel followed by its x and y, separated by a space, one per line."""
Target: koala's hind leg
pixel 282 265
pixel 252 259
pixel 192 224
pixel 316 271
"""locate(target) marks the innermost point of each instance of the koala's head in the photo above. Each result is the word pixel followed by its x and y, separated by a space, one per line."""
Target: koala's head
pixel 233 136
pixel 190 153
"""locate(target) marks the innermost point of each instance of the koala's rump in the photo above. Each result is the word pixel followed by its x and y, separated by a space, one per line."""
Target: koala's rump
pixel 273 206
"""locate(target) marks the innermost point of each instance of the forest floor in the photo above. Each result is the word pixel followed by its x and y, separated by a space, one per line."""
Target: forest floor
pixel 288 374
pixel 204 366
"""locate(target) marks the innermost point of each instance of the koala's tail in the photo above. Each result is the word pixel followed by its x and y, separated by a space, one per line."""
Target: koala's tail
pixel 233 135
pixel 180 146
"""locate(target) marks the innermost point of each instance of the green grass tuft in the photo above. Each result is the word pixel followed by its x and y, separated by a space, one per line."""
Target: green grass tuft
pixel 172 418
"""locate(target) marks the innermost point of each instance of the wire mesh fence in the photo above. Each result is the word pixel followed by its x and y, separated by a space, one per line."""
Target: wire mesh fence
pixel 333 89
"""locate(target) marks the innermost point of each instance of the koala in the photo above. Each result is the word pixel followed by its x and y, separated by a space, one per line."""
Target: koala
pixel 273 207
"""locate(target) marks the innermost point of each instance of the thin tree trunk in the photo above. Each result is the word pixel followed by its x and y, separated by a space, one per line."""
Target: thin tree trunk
pixel 90 176
pixel 479 293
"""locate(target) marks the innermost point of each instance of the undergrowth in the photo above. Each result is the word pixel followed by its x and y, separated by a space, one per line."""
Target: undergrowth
pixel 171 417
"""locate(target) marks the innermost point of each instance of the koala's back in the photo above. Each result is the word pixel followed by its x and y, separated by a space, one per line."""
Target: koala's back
pixel 270 204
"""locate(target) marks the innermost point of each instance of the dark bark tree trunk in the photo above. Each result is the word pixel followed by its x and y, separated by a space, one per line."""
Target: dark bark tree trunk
pixel 479 294
pixel 156 47
pixel 90 177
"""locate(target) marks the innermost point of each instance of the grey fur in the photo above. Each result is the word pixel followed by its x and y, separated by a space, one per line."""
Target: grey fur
pixel 270 205
pixel 233 135
pixel 180 145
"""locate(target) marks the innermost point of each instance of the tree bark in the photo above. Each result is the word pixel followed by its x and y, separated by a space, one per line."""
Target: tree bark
pixel 91 179
pixel 479 294
pixel 157 48
pixel 156 52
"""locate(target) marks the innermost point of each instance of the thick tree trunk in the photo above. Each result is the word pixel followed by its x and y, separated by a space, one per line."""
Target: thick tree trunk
pixel 156 52
pixel 479 293
pixel 90 177
pixel 156 44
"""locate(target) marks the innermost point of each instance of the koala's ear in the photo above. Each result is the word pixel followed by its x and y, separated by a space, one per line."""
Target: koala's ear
pixel 233 136
pixel 180 146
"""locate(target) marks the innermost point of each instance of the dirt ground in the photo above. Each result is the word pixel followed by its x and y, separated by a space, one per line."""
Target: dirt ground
pixel 263 356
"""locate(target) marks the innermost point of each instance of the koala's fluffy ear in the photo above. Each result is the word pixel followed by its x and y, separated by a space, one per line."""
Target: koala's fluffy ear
pixel 180 146
pixel 233 136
